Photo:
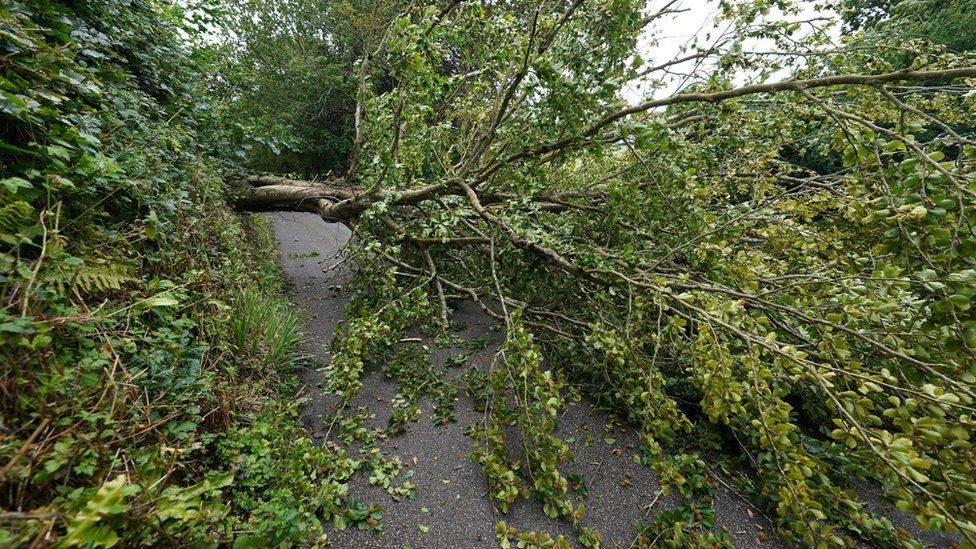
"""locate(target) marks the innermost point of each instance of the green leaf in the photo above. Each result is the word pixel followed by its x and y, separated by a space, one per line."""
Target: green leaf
pixel 157 301
pixel 959 301
pixel 14 184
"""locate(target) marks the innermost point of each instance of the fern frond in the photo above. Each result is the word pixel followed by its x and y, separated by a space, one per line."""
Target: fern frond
pixel 102 278
pixel 15 214
pixel 89 278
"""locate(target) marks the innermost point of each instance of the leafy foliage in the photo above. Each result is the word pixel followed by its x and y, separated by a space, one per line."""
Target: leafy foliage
pixel 128 415
pixel 786 267
pixel 786 270
pixel 952 24
pixel 537 400
pixel 289 71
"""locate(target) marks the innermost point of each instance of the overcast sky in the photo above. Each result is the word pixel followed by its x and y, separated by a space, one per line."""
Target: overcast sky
pixel 697 18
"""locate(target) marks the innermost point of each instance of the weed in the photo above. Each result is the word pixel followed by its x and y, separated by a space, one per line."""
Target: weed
pixel 303 256
pixel 266 334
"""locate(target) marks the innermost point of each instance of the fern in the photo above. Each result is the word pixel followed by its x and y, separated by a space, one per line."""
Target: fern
pixel 15 214
pixel 88 278
pixel 102 278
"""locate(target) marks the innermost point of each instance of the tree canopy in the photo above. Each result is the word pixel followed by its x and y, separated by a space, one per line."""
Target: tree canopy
pixel 776 257
pixel 951 24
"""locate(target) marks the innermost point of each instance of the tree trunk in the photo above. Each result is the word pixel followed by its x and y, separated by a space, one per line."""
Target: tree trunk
pixel 331 199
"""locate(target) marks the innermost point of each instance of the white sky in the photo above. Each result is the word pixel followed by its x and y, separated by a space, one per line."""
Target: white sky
pixel 679 29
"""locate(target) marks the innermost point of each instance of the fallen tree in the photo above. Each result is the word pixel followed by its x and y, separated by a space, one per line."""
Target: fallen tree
pixel 785 268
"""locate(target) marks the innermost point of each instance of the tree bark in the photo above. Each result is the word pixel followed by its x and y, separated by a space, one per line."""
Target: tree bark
pixel 335 201
pixel 331 199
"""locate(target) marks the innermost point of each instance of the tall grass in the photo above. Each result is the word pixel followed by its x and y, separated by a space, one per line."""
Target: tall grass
pixel 266 333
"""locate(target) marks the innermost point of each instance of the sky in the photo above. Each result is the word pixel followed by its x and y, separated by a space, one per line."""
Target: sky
pixel 696 17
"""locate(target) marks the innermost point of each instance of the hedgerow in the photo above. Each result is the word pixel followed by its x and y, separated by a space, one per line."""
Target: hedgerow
pixel 128 412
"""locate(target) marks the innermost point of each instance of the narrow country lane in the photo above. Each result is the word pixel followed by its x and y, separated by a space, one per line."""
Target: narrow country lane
pixel 451 507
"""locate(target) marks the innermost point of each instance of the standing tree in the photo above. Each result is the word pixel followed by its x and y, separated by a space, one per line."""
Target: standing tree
pixel 286 70
pixel 784 264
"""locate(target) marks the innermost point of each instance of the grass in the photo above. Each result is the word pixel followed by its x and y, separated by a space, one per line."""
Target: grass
pixel 266 333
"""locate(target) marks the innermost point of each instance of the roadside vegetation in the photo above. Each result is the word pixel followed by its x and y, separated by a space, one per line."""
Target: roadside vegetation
pixel 148 357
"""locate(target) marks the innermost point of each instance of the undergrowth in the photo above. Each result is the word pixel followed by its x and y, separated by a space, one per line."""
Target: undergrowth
pixel 147 358
pixel 265 337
